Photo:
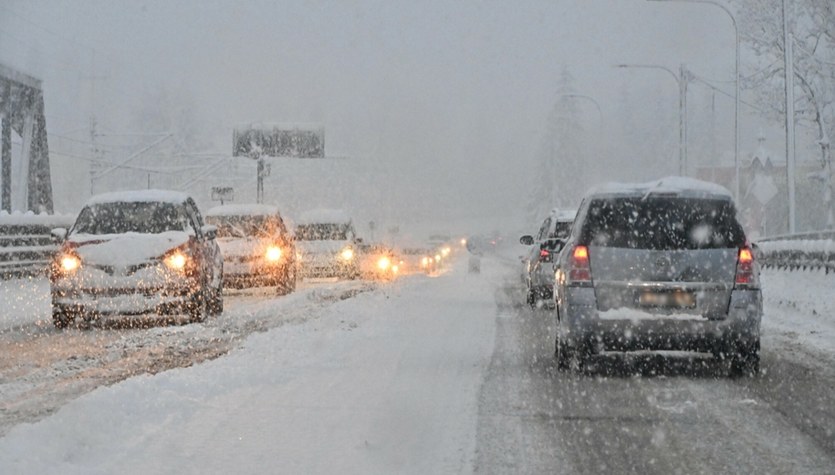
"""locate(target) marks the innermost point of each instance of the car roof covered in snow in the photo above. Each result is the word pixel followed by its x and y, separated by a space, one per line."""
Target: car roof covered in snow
pixel 674 185
pixel 323 216
pixel 566 215
pixel 139 196
pixel 243 210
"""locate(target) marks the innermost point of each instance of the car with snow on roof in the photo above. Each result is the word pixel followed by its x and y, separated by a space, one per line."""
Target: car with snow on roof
pixel 257 248
pixel 659 266
pixel 538 268
pixel 378 262
pixel 133 253
pixel 327 244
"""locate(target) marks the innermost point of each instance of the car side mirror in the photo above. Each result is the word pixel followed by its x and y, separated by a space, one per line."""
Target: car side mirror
pixel 209 231
pixel 526 240
pixel 58 234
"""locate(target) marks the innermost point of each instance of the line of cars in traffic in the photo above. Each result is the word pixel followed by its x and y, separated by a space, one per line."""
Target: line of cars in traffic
pixel 153 252
pixel 663 265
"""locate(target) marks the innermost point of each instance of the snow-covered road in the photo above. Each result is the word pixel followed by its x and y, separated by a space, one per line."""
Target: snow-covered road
pixel 442 374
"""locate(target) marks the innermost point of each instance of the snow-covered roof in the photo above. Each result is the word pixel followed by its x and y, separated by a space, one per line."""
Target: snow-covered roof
pixel 243 210
pixel 678 185
pixel 313 126
pixel 30 218
pixel 564 214
pixel 323 216
pixel 139 196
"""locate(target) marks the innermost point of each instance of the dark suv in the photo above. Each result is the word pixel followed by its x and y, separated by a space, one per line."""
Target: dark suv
pixel 659 266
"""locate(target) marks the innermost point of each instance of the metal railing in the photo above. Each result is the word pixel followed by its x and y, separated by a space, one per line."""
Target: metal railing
pixel 26 243
pixel 801 251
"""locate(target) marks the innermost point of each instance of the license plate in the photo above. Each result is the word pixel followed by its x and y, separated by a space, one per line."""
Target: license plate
pixel 668 299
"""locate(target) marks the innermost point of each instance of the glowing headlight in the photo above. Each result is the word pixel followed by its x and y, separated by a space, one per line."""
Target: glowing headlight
pixel 70 263
pixel 383 263
pixel 445 251
pixel 176 261
pixel 424 262
pixel 347 254
pixel 463 241
pixel 437 258
pixel 395 268
pixel 273 253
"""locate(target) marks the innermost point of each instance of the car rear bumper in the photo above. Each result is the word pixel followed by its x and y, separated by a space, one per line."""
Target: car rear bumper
pixel 626 329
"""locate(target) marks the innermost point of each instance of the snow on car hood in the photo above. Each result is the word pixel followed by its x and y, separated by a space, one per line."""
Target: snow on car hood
pixel 238 247
pixel 125 249
pixel 321 247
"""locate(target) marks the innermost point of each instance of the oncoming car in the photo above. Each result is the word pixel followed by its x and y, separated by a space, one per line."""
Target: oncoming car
pixel 132 253
pixel 257 248
pixel 659 266
pixel 377 261
pixel 326 244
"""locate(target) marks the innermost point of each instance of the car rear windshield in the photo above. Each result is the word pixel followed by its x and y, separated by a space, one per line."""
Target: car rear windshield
pixel 561 230
pixel 142 217
pixel 243 226
pixel 322 232
pixel 662 223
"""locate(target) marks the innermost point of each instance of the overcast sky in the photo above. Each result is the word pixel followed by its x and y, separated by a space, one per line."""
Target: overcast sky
pixel 453 95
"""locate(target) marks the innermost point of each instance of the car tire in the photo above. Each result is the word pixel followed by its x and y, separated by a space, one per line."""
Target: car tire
pixel 199 307
pixel 61 320
pixel 216 301
pixel 287 283
pixel 563 354
pixel 746 361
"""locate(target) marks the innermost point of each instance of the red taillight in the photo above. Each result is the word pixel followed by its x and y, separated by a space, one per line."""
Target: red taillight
pixel 746 270
pixel 544 255
pixel 579 269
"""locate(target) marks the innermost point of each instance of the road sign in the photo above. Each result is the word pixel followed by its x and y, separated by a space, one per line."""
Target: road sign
pixel 223 193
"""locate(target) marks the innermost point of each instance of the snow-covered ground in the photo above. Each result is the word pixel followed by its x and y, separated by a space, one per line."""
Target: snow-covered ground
pixel 382 381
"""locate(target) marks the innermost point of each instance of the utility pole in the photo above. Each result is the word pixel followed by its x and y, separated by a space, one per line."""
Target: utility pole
pixel 682 98
pixel 788 46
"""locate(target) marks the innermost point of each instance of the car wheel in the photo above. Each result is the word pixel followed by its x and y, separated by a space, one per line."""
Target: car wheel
pixel 746 360
pixel 199 307
pixel 562 353
pixel 61 319
pixel 216 302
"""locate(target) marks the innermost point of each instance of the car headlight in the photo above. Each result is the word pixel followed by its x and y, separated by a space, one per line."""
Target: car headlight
pixel 70 263
pixel 176 261
pixel 445 251
pixel 384 263
pixel 273 254
pixel 347 254
pixel 395 269
pixel 437 258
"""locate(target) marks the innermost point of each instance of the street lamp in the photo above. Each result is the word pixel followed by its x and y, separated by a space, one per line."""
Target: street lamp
pixel 736 81
pixel 681 82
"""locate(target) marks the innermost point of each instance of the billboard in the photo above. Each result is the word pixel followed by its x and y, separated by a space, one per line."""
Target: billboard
pixel 295 141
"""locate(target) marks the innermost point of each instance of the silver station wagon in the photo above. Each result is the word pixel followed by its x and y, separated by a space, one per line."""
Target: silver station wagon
pixel 658 266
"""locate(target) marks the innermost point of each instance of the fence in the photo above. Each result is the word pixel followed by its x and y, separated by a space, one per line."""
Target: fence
pixel 806 251
pixel 26 243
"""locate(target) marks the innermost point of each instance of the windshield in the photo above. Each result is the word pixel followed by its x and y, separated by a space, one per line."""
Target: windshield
pixel 322 232
pixel 119 218
pixel 662 224
pixel 243 226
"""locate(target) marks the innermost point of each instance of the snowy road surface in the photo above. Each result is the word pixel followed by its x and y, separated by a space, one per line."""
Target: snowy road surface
pixel 444 374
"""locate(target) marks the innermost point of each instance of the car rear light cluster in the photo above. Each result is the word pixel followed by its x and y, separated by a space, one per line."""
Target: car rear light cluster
pixel 579 267
pixel 544 255
pixel 747 273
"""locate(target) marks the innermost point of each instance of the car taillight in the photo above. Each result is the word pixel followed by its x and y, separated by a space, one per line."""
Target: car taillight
pixel 544 255
pixel 579 269
pixel 747 274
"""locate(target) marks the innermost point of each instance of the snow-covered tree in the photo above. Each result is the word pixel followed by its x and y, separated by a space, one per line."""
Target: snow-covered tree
pixel 812 23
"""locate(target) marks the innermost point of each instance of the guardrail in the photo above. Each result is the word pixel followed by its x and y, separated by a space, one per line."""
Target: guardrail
pixel 26 243
pixel 807 251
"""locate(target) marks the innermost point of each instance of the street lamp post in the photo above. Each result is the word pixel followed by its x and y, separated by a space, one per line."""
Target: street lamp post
pixel 736 82
pixel 681 82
